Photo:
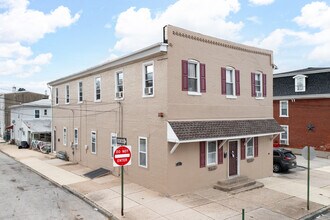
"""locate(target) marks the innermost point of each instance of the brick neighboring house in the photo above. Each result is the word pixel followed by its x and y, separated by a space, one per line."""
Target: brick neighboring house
pixel 302 107
pixel 194 108
pixel 14 98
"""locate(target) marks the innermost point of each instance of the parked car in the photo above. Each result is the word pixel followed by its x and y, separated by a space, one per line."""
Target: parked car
pixel 283 160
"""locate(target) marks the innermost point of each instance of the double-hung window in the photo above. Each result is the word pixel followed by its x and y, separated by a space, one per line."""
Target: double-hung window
pixel 36 113
pixel 230 82
pixel 258 84
pixel 56 96
pixel 113 143
pixel 250 148
pixel 284 137
pixel 148 79
pixel 300 83
pixel 67 94
pixel 80 92
pixel 45 112
pixel 193 76
pixel 97 88
pixel 119 87
pixel 65 135
pixel 93 142
pixel 284 108
pixel 211 153
pixel 143 152
pixel 75 139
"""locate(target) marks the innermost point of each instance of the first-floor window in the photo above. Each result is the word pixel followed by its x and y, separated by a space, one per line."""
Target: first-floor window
pixel 76 136
pixel 93 142
pixel 284 137
pixel 250 148
pixel 64 136
pixel 211 153
pixel 143 152
pixel 113 143
pixel 36 114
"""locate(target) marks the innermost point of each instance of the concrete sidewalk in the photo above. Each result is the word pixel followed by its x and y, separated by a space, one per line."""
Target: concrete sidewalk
pixel 283 196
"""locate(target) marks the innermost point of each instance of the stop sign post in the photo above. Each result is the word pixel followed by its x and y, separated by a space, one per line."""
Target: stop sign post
pixel 122 156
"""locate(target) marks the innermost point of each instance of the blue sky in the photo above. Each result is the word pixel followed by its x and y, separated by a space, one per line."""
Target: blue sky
pixel 44 40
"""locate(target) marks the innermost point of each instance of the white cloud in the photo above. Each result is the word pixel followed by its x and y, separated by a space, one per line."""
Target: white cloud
pixel 261 2
pixel 137 28
pixel 20 28
pixel 254 19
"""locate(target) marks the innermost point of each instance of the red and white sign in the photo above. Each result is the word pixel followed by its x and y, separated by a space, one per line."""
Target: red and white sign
pixel 122 156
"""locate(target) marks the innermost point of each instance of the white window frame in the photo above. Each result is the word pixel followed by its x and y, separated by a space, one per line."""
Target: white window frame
pixel 146 152
pixel 113 145
pixel 65 136
pixel 296 79
pixel 82 93
pixel 247 146
pixel 75 136
pixel 93 133
pixel 67 94
pixel 45 112
pixel 35 113
pixel 287 108
pixel 144 65
pixel 207 154
pixel 117 85
pixel 56 96
pixel 95 89
pixel 198 78
pixel 261 85
pixel 233 96
pixel 285 127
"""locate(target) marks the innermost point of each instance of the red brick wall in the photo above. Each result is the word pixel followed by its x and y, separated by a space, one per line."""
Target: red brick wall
pixel 301 113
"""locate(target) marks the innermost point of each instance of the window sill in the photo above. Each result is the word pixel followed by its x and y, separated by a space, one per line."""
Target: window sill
pixel 145 167
pixel 119 99
pixel 249 159
pixel 260 98
pixel 195 93
pixel 231 96
pixel 99 100
pixel 80 102
pixel 148 96
pixel 284 116
pixel 94 153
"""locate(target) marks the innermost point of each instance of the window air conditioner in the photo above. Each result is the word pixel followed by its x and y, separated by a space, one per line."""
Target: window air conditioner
pixel 284 142
pixel 258 94
pixel 119 95
pixel 148 91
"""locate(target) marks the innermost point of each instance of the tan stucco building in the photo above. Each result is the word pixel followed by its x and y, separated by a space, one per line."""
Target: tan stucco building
pixel 194 108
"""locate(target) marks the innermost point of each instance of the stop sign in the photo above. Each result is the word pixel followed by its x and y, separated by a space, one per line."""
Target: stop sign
pixel 122 156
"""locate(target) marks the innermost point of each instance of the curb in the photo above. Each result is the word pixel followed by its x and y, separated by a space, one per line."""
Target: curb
pixel 68 189
pixel 313 215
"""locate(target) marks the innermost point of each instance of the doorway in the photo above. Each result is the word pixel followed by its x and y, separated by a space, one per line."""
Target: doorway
pixel 233 158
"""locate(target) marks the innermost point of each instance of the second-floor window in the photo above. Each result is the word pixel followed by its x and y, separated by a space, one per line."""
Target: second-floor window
pixel 45 112
pixel 56 96
pixel 67 94
pixel 148 79
pixel 119 85
pixel 258 85
pixel 36 114
pixel 97 89
pixel 80 92
pixel 284 109
pixel 193 77
pixel 230 82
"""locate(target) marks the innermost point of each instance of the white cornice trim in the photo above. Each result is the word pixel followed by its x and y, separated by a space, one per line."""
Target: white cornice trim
pixel 314 96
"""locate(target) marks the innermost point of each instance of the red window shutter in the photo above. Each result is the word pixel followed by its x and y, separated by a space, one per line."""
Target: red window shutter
pixel 238 90
pixel 253 85
pixel 256 150
pixel 202 77
pixel 264 85
pixel 223 81
pixel 220 155
pixel 202 154
pixel 184 64
pixel 242 149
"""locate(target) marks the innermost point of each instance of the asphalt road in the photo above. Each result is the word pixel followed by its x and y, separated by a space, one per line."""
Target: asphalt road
pixel 25 195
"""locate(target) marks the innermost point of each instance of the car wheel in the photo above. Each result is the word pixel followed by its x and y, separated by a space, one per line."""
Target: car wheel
pixel 276 168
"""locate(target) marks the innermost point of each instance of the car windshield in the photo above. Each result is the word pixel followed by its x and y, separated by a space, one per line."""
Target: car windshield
pixel 289 154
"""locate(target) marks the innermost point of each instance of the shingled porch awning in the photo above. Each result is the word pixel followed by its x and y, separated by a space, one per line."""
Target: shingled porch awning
pixel 210 130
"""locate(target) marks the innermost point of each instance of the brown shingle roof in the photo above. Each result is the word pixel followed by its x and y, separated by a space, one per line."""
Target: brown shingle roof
pixel 194 130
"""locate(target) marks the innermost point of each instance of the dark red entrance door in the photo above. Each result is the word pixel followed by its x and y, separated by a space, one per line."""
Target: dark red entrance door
pixel 232 158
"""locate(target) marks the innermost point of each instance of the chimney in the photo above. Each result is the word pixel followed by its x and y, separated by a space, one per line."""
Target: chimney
pixel 14 89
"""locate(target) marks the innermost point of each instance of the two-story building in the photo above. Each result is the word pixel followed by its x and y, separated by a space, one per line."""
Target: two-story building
pixel 302 107
pixel 14 98
pixel 195 109
pixel 31 121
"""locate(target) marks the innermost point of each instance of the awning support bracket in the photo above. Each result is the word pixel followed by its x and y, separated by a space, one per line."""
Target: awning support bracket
pixel 274 136
pixel 174 147
pixel 222 143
